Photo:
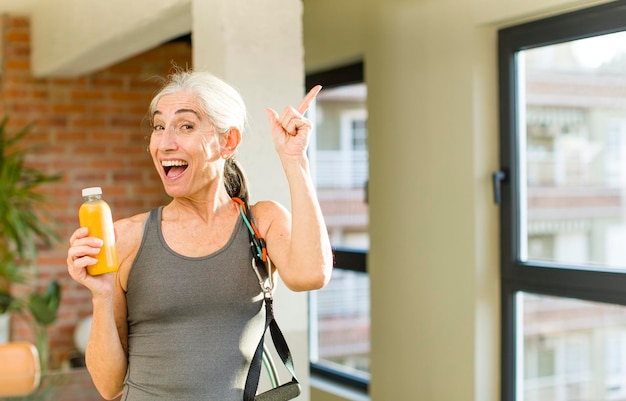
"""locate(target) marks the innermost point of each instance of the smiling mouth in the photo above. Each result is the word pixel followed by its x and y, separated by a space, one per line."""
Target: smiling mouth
pixel 174 168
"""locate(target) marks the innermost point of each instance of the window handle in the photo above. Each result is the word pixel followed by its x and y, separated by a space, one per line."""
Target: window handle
pixel 498 178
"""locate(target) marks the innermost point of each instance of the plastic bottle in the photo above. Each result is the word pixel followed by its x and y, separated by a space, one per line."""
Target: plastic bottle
pixel 95 214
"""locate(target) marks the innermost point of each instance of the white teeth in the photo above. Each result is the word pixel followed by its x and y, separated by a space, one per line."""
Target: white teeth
pixel 170 163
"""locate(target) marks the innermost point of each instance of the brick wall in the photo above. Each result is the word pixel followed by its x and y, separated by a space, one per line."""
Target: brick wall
pixel 93 131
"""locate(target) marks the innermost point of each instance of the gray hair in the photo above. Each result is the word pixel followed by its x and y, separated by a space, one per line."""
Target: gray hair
pixel 221 103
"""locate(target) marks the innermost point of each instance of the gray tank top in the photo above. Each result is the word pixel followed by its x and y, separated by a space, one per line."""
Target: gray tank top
pixel 194 323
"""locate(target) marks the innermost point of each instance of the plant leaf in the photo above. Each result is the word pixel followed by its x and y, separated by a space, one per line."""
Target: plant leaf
pixel 21 216
pixel 44 307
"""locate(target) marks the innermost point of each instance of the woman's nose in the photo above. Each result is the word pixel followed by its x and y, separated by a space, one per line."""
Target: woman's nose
pixel 168 139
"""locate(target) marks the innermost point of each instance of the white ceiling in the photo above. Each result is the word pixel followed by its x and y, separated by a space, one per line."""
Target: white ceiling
pixel 71 37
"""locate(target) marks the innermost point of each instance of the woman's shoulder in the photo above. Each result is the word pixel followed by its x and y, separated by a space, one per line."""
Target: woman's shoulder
pixel 268 213
pixel 268 208
pixel 130 224
pixel 128 233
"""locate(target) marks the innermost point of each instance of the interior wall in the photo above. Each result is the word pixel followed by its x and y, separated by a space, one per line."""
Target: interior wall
pixel 431 70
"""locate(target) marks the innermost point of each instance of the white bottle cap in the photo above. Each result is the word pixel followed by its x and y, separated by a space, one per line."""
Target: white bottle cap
pixel 92 191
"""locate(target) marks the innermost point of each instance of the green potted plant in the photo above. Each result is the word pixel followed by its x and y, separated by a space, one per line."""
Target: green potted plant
pixel 23 220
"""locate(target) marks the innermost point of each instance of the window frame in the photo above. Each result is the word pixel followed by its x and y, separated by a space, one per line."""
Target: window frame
pixel 586 283
pixel 345 258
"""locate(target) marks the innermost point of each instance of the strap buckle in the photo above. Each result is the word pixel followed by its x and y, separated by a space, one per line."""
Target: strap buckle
pixel 267 282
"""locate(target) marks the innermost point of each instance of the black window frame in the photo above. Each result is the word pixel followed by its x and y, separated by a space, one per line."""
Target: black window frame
pixel 345 258
pixel 552 279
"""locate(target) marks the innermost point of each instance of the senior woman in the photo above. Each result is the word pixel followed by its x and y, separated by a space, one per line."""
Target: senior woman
pixel 183 315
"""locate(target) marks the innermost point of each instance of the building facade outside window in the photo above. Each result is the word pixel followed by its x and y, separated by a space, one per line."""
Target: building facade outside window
pixel 563 210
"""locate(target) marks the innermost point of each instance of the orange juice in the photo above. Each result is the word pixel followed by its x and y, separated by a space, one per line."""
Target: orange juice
pixel 95 214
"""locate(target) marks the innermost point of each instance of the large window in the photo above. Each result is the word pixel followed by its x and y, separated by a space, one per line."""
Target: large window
pixel 563 206
pixel 339 313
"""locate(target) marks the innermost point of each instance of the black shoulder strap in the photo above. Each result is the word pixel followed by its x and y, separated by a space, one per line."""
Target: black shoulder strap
pixel 262 267
pixel 286 391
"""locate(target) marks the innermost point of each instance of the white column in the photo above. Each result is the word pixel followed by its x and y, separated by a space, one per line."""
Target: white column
pixel 256 46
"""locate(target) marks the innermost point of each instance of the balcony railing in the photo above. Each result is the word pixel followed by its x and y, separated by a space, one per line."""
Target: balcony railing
pixel 340 169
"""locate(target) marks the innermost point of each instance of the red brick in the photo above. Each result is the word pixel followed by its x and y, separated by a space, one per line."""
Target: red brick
pixel 77 82
pixel 109 135
pixel 17 64
pixel 71 136
pixel 108 82
pixel 90 176
pixel 29 106
pixel 19 52
pixel 107 108
pixel 85 94
pixel 69 108
pixel 51 120
pixel 126 96
pixel 39 93
pixel 126 121
pixel 18 22
pixel 17 36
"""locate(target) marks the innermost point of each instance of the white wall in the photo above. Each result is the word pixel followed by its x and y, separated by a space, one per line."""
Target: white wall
pixel 431 70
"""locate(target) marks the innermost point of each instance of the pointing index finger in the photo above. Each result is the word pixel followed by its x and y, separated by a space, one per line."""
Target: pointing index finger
pixel 308 99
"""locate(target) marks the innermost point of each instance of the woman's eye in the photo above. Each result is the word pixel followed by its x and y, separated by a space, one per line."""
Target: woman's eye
pixel 157 128
pixel 187 126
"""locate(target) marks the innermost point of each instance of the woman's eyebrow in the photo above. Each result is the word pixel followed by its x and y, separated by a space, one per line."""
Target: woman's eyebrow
pixel 179 111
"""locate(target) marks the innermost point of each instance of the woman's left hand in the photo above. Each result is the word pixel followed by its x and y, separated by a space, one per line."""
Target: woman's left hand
pixel 291 130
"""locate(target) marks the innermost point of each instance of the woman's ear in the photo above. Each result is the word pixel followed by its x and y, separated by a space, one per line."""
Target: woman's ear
pixel 233 139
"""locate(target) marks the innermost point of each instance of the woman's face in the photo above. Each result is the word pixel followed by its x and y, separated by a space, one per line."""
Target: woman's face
pixel 184 146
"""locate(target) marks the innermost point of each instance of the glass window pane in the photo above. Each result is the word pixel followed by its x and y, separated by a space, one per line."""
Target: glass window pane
pixel 343 323
pixel 339 158
pixel 571 349
pixel 573 152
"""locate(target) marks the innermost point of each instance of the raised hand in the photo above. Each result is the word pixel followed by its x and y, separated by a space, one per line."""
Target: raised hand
pixel 291 130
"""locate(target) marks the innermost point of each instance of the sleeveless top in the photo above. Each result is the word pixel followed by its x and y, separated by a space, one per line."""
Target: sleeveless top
pixel 194 322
